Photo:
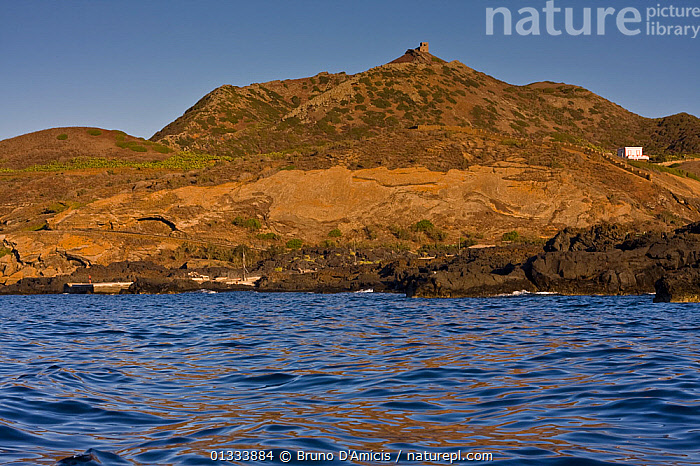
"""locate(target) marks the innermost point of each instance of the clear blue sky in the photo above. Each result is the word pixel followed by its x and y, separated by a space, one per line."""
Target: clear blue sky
pixel 138 65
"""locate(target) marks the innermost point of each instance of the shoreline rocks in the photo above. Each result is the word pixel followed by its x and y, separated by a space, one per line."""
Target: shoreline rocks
pixel 605 259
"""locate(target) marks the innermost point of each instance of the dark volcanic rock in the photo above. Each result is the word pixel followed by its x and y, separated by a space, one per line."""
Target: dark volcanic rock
pixel 581 272
pixel 39 285
pixel 126 271
pixel 329 280
pixel 604 237
pixel 178 285
pixel 593 264
pixel 606 259
pixel 477 272
pixel 161 286
pixel 456 283
pixel 682 286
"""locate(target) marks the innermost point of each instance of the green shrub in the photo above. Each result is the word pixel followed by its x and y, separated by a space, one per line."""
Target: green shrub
pixel 94 132
pixel 664 169
pixel 37 226
pixel 436 235
pixel 513 143
pixel 54 208
pixel 5 251
pixel 208 251
pixel 253 224
pixel 161 148
pixel 62 137
pixel 381 103
pixel 510 236
pixel 249 223
pixel 295 243
pixel 335 233
pixel 467 242
pixel 179 161
pixel 563 137
pixel 399 233
pixel 423 225
pixel 371 232
pixel 290 122
pixel 267 236
pixel 132 145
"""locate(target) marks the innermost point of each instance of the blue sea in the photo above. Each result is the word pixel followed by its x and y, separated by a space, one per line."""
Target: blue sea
pixel 364 378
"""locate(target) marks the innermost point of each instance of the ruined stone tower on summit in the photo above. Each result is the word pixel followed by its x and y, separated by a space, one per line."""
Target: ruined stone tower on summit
pixel 419 55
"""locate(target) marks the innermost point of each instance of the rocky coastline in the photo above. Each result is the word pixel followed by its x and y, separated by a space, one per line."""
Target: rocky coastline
pixel 603 260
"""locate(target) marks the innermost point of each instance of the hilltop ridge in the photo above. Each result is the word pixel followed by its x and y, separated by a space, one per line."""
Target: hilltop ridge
pixel 303 115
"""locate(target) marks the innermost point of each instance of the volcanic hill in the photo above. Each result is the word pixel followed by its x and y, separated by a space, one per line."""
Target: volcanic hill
pixel 307 115
pixel 417 152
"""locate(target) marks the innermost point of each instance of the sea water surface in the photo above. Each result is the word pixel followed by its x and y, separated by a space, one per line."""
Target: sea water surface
pixel 161 380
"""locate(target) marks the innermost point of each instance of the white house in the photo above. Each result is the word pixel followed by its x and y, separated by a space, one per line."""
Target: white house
pixel 632 153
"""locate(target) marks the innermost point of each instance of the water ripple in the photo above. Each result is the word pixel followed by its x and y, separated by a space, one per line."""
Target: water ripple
pixel 545 380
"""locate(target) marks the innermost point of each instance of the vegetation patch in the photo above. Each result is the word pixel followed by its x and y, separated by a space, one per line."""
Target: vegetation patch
pixel 160 148
pixel 563 137
pixel 664 169
pixel 294 243
pixel 212 252
pixel 399 233
pixel 335 233
pixel 77 163
pixel 4 251
pixel 94 132
pixel 423 225
pixel 39 226
pixel 427 227
pixel 179 161
pixel 140 145
pixel 485 117
pixel 467 242
pixel 62 137
pixel 251 224
pixel 56 208
pixel 511 236
pixel 514 143
pixel 131 145
pixel 186 161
